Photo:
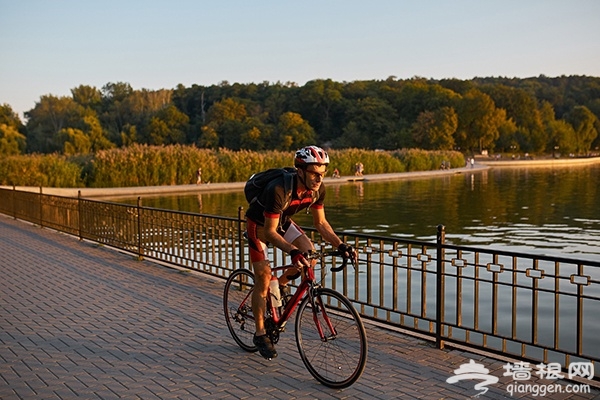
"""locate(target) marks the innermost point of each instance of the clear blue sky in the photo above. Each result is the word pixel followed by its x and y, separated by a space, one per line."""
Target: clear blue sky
pixel 52 46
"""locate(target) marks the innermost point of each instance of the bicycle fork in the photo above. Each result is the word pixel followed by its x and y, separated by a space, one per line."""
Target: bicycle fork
pixel 318 308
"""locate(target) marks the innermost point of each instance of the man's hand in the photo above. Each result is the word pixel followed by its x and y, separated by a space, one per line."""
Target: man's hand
pixel 347 251
pixel 299 259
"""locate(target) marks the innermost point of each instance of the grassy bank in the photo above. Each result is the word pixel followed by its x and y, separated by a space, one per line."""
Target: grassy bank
pixel 141 165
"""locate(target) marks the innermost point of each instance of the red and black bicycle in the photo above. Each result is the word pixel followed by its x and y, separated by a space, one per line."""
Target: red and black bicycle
pixel 330 334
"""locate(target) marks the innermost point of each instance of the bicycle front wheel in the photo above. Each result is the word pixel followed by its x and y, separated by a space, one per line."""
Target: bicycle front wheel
pixel 331 338
pixel 237 305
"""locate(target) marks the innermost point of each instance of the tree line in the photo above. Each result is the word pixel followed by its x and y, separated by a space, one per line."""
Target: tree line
pixel 500 115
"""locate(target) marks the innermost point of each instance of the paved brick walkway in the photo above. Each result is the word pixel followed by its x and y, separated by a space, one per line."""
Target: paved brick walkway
pixel 78 320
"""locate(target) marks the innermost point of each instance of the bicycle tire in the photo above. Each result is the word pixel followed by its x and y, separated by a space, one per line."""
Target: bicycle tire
pixel 237 307
pixel 339 361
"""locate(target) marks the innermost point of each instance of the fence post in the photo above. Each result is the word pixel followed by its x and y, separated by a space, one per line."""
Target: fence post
pixel 439 301
pixel 14 202
pixel 41 210
pixel 80 217
pixel 139 228
pixel 240 239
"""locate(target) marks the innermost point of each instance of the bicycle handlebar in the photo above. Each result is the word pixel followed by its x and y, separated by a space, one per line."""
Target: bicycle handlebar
pixel 315 254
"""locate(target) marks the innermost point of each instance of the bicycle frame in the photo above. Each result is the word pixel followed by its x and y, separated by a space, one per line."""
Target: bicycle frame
pixel 307 283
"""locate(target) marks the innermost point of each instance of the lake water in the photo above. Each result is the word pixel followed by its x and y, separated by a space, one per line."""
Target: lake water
pixel 539 210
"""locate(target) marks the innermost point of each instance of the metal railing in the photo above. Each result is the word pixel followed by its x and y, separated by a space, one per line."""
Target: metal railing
pixel 532 307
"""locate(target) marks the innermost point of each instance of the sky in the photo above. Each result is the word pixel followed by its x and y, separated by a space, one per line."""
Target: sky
pixel 53 46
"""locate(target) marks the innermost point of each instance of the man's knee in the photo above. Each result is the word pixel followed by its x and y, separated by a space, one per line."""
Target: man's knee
pixel 262 272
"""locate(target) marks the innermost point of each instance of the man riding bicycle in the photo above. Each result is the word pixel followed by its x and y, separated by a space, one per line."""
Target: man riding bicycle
pixel 269 221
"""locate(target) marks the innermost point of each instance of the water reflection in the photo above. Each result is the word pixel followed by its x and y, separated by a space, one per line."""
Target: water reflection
pixel 543 210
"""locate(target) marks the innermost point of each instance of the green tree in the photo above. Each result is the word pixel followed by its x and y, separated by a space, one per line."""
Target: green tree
pixel 562 138
pixel 87 96
pixel 479 121
pixel 96 134
pixel 320 102
pixel 507 137
pixel 168 126
pixel 583 122
pixel 129 135
pixel 209 138
pixel 252 139
pixel 559 133
pixel 230 120
pixel 226 110
pixel 90 139
pixel 276 101
pixel 75 141
pixel 367 121
pixel 116 111
pixel 10 118
pixel 434 130
pixel 49 116
pixel 412 97
pixel 522 108
pixel 12 142
pixel 294 132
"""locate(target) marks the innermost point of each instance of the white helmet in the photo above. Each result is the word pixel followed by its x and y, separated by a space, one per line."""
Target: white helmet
pixel 310 155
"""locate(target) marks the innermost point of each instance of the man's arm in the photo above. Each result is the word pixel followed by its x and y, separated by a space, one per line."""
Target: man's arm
pixel 275 238
pixel 323 226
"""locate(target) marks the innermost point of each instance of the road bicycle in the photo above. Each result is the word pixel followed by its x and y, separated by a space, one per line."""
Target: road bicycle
pixel 330 334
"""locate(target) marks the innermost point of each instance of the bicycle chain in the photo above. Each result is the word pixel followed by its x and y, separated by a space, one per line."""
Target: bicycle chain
pixel 272 330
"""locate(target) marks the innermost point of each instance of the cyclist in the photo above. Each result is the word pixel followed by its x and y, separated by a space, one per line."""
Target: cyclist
pixel 269 221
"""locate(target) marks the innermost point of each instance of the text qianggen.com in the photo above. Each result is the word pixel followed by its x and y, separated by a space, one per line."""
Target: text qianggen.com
pixel 542 390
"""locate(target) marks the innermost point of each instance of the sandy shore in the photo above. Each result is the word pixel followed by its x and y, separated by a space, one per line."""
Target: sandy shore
pixel 480 165
pixel 543 162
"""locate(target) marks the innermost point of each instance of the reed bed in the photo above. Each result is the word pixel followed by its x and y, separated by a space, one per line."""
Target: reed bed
pixel 49 170
pixel 143 165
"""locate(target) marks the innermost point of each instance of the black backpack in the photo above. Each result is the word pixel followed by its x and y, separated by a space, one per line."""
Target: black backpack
pixel 256 184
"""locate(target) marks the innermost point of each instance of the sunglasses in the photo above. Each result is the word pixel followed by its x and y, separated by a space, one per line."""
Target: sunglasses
pixel 316 174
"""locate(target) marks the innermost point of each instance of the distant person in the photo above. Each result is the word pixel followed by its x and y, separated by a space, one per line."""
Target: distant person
pixel 472 162
pixel 358 169
pixel 199 176
pixel 336 173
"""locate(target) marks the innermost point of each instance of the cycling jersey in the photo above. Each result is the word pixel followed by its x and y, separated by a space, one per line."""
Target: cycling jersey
pixel 272 203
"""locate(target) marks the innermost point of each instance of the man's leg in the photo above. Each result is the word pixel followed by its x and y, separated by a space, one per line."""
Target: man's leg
pixel 262 278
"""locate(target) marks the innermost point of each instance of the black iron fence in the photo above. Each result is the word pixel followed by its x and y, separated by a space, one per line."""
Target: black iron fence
pixel 531 307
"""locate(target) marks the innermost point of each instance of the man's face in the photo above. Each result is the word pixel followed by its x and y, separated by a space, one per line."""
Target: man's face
pixel 313 176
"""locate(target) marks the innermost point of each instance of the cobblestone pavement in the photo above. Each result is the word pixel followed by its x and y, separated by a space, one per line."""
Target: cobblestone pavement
pixel 78 320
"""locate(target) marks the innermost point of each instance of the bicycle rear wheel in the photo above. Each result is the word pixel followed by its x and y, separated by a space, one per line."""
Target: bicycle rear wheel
pixel 338 359
pixel 237 306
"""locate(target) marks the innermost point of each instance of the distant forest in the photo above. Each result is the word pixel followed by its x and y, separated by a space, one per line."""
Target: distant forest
pixel 500 115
